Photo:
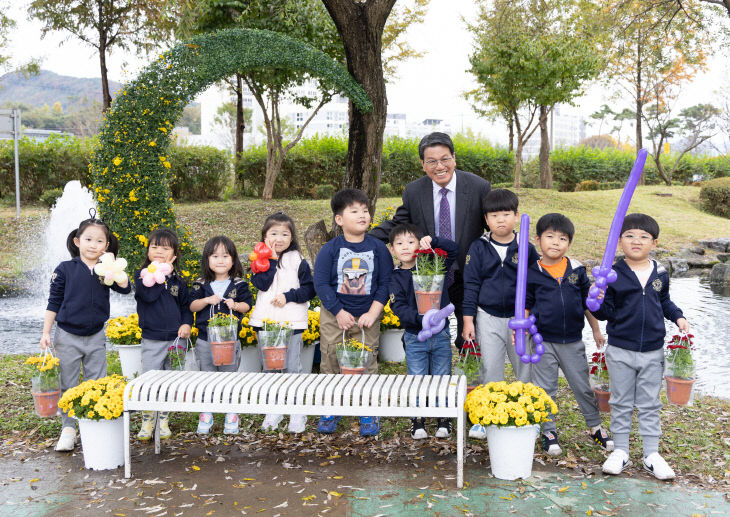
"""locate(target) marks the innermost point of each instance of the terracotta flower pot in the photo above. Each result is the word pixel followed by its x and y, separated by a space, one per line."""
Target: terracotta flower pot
pixel 427 300
pixel 274 357
pixel 46 402
pixel 679 390
pixel 223 352
pixel 352 371
pixel 602 397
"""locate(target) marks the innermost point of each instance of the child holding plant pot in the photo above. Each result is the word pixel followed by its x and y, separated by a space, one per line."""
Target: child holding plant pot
pixel 635 306
pixel 284 290
pixel 220 289
pixel 163 304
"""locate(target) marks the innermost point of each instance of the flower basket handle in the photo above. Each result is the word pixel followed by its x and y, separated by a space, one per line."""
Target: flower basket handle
pixel 471 348
pixel 47 354
pixel 230 313
pixel 362 330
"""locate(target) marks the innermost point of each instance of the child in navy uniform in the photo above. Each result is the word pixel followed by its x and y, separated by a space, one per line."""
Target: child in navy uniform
pixel 79 304
pixel 557 287
pixel 490 279
pixel 164 314
pixel 352 278
pixel 433 356
pixel 635 306
pixel 220 288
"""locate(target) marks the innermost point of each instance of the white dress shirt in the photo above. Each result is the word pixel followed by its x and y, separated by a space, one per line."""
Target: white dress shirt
pixel 451 196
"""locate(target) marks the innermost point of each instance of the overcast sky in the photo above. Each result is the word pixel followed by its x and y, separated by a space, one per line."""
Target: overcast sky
pixel 430 87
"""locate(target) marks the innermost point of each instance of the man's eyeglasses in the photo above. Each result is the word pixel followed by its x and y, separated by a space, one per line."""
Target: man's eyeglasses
pixel 443 161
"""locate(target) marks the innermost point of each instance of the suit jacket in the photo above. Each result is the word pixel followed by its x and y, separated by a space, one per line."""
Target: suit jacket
pixel 417 208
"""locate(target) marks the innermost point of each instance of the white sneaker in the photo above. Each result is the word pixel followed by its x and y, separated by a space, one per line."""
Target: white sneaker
pixel 297 423
pixel 655 464
pixel 231 424
pixel 271 422
pixel 616 462
pixel 478 431
pixel 67 440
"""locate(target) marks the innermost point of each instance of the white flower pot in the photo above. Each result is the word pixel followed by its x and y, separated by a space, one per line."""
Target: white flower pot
pixel 130 356
pixel 511 450
pixel 307 357
pixel 191 362
pixel 250 360
pixel 391 346
pixel 102 442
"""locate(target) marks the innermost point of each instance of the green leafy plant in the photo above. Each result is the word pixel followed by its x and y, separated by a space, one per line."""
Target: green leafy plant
pixel 430 262
pixel 222 319
pixel 599 370
pixel 680 363
pixel 470 360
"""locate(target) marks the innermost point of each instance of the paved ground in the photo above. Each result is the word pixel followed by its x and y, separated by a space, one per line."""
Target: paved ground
pixel 274 475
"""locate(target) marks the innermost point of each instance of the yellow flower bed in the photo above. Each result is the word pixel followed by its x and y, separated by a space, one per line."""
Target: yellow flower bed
pixel 390 320
pixel 124 330
pixel 95 399
pixel 513 404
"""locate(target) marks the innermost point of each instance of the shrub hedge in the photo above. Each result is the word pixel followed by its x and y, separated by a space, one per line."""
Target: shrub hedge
pixel 200 173
pixel 715 196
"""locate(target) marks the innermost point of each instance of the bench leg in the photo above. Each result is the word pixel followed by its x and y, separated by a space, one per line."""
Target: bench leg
pixel 460 449
pixel 127 460
pixel 157 432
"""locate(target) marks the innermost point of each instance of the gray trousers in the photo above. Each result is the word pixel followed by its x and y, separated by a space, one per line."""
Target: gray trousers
pixel 635 380
pixel 74 351
pixel 154 354
pixel 495 339
pixel 571 358
pixel 205 357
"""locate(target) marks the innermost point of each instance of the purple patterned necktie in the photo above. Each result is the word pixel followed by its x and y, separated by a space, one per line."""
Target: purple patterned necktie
pixel 445 227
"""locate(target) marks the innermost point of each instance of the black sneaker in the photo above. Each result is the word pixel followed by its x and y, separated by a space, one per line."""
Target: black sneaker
pixel 550 443
pixel 443 428
pixel 603 439
pixel 418 430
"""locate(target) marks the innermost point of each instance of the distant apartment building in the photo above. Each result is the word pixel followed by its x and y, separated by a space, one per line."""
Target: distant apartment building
pixel 568 128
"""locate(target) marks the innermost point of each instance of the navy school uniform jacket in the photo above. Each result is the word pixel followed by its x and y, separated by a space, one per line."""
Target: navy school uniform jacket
pixel 402 294
pixel 558 307
pixel 305 292
pixel 79 298
pixel 351 275
pixel 237 290
pixel 636 314
pixel 490 283
pixel 162 308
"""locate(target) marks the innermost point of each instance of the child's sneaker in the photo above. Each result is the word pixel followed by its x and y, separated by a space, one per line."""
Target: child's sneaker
pixel 231 424
pixel 328 424
pixel 148 426
pixel 659 468
pixel 369 425
pixel 550 443
pixel 67 440
pixel 616 462
pixel 205 422
pixel 601 437
pixel 297 423
pixel 478 431
pixel 443 428
pixel 418 429
pixel 164 425
pixel 271 422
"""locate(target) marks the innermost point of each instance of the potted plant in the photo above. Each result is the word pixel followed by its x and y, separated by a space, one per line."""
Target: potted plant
pixel 98 405
pixel 512 414
pixel 428 280
pixel 352 355
pixel 176 353
pixel 124 333
pixel 250 356
pixel 680 369
pixel 470 360
pixel 274 340
pixel 222 330
pixel 310 339
pixel 44 383
pixel 599 380
pixel 191 361
pixel 391 338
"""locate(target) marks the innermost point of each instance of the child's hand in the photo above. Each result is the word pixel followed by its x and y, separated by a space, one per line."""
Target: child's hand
pixel 213 299
pixel 279 300
pixel 270 244
pixel 683 325
pixel 229 302
pixel 425 242
pixel 345 320
pixel 367 319
pixel 468 333
pixel 184 331
pixel 45 341
pixel 599 339
pixel 513 337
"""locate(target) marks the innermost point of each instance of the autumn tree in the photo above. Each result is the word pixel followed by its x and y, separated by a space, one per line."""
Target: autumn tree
pixel 6 61
pixel 137 25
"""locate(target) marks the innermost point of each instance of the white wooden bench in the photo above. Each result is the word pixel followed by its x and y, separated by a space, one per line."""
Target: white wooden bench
pixel 306 394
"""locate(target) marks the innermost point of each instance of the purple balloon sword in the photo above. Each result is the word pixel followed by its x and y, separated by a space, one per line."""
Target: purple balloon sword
pixel 604 274
pixel 519 323
pixel 434 321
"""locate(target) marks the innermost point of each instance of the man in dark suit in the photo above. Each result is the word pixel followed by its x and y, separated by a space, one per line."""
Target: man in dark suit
pixel 446 202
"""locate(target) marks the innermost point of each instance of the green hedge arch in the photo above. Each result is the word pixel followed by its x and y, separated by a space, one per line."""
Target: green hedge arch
pixel 130 168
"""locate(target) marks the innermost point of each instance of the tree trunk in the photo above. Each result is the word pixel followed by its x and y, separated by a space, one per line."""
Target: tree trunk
pixel 360 25
pixel 240 122
pixel 660 169
pixel 518 162
pixel 511 124
pixel 106 96
pixel 546 176
pixel 639 105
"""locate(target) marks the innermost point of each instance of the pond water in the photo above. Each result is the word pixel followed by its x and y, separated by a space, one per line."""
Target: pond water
pixel 21 323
